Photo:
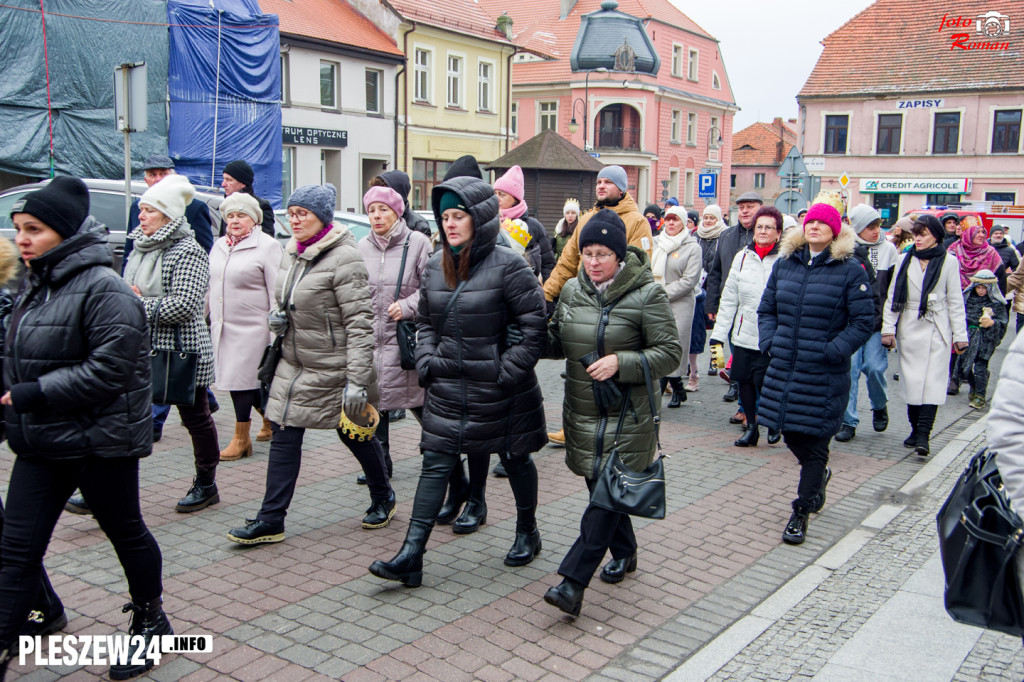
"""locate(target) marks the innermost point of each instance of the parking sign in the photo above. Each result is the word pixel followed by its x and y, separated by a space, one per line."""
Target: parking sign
pixel 707 185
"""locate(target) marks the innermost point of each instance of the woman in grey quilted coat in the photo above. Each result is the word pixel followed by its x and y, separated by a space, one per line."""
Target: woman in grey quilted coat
pixel 323 313
pixel 170 272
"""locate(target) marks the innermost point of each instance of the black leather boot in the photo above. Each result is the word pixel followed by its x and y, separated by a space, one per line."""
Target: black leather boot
pixel 750 436
pixel 407 566
pixel 796 529
pixel 458 493
pixel 522 477
pixel 733 394
pixel 149 621
pixel 663 383
pixel 913 412
pixel 473 515
pixel 925 422
pixel 201 495
pixel 567 596
pixel 678 392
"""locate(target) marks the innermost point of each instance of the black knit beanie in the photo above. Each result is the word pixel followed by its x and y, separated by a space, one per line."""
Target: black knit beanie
pixel 63 205
pixel 464 167
pixel 932 224
pixel 607 229
pixel 241 171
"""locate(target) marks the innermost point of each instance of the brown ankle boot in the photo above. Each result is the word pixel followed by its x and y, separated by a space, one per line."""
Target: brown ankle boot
pixel 240 445
pixel 265 433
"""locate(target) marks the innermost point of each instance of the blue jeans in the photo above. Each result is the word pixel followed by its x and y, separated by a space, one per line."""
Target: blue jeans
pixel 871 360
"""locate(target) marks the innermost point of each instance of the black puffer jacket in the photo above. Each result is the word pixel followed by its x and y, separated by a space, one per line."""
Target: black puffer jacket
pixel 482 396
pixel 76 357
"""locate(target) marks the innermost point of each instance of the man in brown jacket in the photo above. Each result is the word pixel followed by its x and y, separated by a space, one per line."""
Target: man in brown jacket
pixel 612 193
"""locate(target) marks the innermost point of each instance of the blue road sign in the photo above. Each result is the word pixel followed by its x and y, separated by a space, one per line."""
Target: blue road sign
pixel 707 185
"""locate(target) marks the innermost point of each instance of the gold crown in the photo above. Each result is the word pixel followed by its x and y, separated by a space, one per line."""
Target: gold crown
pixel 517 230
pixel 718 355
pixel 360 433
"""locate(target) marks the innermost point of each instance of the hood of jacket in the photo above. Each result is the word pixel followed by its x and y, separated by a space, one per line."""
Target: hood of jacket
pixel 635 274
pixel 85 249
pixel 337 235
pixel 481 204
pixel 398 181
pixel 841 247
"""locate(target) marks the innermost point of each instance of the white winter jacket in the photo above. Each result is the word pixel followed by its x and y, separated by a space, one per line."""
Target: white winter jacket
pixel 1006 430
pixel 737 307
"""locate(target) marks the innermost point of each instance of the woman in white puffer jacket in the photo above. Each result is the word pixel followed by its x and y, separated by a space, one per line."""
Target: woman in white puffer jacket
pixel 737 313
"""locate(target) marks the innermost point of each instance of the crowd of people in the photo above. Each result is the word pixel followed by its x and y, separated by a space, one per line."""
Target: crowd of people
pixel 331 332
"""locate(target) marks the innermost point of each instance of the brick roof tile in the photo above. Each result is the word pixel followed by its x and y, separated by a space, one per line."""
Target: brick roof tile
pixel 460 16
pixel 762 140
pixel 335 21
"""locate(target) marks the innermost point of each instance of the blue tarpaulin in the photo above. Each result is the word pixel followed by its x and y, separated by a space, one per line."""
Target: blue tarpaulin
pixel 224 85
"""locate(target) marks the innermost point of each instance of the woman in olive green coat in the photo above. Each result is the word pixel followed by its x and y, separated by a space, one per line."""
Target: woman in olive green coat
pixel 605 318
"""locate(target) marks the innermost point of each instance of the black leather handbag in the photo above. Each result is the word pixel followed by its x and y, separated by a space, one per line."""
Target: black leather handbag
pixel 173 370
pixel 619 488
pixel 405 330
pixel 979 536
pixel 268 363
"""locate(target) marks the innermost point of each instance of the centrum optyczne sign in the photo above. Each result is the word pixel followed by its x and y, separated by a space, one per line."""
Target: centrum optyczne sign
pixel 317 136
pixel 916 185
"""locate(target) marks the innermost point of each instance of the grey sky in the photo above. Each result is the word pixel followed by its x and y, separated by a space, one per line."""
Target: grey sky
pixel 769 48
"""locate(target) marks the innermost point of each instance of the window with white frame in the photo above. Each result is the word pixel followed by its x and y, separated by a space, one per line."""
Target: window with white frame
pixel 485 72
pixel 677 61
pixel 328 84
pixel 422 75
pixel 688 191
pixel 454 81
pixel 673 182
pixel 287 172
pixel 691 67
pixel 513 119
pixel 548 116
pixel 716 84
pixel 285 80
pixel 374 96
pixel 691 128
pixel 758 180
pixel 677 123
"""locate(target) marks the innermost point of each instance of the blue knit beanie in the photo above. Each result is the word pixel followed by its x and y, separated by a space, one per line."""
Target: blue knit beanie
pixel 316 198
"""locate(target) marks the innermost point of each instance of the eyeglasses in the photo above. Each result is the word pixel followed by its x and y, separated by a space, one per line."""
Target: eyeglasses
pixel 597 257
pixel 765 228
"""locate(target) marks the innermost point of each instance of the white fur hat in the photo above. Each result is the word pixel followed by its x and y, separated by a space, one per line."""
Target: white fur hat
pixel 170 196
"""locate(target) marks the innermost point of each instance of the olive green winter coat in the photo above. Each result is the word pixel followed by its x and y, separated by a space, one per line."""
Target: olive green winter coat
pixel 638 317
pixel 329 341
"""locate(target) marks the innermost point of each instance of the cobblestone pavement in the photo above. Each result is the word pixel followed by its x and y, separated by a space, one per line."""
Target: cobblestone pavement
pixel 308 609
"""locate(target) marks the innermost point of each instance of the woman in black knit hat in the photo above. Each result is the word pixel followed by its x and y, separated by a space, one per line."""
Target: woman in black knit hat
pixel 77 373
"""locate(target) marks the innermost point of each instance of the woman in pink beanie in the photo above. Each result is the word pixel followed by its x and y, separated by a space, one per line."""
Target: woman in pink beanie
pixel 510 190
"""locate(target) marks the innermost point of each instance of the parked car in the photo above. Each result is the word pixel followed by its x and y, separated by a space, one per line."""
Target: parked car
pixel 106 204
pixel 358 224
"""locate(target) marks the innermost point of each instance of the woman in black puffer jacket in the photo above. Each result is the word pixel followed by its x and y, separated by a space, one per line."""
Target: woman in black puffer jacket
pixel 480 333
pixel 78 395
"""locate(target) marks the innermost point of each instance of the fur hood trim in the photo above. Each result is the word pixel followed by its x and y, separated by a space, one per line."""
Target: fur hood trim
pixel 841 247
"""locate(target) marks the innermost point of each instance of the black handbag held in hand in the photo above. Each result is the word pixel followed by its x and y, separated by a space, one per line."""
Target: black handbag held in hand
pixel 405 330
pixel 979 536
pixel 173 370
pixel 619 488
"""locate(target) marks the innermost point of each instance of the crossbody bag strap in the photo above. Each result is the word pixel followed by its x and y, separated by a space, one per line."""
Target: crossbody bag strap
pixel 622 417
pixel 650 398
pixel 401 268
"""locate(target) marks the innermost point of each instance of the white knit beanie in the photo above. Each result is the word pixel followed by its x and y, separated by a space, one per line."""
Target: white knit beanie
pixel 242 202
pixel 170 196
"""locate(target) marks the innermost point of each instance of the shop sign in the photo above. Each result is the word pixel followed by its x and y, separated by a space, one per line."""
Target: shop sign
pixel 315 136
pixel 916 185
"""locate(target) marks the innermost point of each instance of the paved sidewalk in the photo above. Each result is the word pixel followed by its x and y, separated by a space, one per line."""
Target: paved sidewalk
pixel 713 576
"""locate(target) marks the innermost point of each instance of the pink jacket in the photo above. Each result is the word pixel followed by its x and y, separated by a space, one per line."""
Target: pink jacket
pixel 240 296
pixel 398 387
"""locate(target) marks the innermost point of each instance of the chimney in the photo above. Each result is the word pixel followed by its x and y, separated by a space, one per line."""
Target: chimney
pixel 566 7
pixel 780 146
pixel 504 25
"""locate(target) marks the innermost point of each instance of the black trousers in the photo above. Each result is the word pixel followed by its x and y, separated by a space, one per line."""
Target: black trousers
pixel 384 427
pixel 243 402
pixel 601 530
pixel 812 452
pixel 35 499
pixel 748 370
pixel 286 458
pixel 46 599
pixel 198 421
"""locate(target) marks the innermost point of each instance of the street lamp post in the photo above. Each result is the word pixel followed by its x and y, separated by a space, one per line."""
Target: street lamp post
pixel 573 125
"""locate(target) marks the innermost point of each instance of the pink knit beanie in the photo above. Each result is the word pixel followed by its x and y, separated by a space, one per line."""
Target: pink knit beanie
pixel 826 214
pixel 384 195
pixel 512 182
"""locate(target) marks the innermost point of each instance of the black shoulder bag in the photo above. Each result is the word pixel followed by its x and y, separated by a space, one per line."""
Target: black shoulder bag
pixel 173 370
pixel 405 330
pixel 979 536
pixel 619 488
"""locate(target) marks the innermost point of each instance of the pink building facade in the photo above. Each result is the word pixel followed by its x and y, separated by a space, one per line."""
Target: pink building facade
pixel 662 129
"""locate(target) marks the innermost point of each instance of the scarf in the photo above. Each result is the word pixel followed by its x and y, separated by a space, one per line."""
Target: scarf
pixel 935 257
pixel 763 251
pixel 233 241
pixel 609 203
pixel 974 258
pixel 715 230
pixel 300 247
pixel 515 212
pixel 146 263
pixel 664 244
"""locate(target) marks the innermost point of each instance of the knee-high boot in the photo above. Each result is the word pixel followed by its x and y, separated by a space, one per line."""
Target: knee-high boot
pixel 458 493
pixel 522 477
pixel 913 413
pixel 474 514
pixel 407 566
pixel 925 422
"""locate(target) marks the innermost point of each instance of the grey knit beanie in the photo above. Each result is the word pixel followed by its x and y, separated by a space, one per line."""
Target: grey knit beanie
pixel 316 198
